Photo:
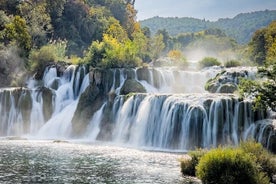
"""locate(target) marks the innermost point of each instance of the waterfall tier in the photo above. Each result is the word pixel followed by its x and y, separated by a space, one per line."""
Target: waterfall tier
pixel 174 113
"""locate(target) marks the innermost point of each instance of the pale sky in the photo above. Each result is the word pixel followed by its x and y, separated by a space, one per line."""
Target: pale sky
pixel 208 9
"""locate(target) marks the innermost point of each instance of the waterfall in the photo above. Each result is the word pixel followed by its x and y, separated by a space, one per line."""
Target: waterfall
pixel 183 121
pixel 44 109
pixel 176 113
pixel 93 128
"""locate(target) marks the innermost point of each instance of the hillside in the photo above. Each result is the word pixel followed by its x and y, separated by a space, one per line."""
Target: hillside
pixel 241 27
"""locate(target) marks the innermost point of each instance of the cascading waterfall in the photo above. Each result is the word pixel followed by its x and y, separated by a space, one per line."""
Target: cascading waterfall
pixel 175 113
pixel 181 121
pixel 23 110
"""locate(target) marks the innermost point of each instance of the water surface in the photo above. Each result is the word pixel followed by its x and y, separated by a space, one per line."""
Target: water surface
pixel 50 162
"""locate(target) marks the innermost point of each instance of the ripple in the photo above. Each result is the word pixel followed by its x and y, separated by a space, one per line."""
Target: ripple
pixel 48 162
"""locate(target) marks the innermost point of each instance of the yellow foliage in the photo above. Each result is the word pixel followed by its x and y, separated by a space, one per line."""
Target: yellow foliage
pixel 175 54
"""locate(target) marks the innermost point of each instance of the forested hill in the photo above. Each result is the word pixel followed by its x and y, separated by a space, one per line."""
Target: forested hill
pixel 241 27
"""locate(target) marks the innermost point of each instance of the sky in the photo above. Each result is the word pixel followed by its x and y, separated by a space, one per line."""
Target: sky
pixel 202 9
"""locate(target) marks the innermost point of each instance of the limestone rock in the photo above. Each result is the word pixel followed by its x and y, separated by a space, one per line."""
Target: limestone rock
pixel 132 86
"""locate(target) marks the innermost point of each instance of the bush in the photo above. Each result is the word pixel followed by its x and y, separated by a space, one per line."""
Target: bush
pixel 221 166
pixel 208 62
pixel 263 157
pixel 232 63
pixel 189 164
pixel 40 58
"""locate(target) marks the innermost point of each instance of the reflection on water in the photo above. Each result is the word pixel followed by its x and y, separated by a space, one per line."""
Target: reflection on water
pixel 48 162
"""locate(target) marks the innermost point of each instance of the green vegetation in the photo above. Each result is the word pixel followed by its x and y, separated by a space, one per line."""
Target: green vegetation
pixel 232 63
pixel 263 45
pixel 188 165
pixel 265 160
pixel 227 165
pixel 177 58
pixel 240 28
pixel 263 53
pixel 50 53
pixel 208 62
pixel 101 33
pixel 248 163
pixel 105 33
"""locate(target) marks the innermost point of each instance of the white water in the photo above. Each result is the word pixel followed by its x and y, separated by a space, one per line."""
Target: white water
pixel 93 128
pixel 181 121
pixel 176 114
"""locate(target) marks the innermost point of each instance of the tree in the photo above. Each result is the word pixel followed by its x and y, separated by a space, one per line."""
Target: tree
pixel 38 21
pixel 10 6
pixel 262 91
pixel 263 50
pixel 17 31
pixel 157 46
pixel 143 45
pixel 177 58
pixel 262 45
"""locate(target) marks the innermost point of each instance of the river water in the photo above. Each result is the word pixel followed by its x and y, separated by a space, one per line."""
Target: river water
pixel 64 162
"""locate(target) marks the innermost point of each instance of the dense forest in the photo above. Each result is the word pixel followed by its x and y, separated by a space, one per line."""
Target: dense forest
pixel 105 33
pixel 240 28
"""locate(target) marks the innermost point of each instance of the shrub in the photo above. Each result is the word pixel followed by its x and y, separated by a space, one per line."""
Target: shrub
pixel 263 157
pixel 208 62
pixel 177 58
pixel 228 165
pixel 53 52
pixel 189 164
pixel 232 63
pixel 40 58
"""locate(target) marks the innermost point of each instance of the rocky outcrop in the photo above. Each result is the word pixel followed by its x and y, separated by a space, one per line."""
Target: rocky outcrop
pixel 227 81
pixel 132 86
pixel 47 96
pixel 92 98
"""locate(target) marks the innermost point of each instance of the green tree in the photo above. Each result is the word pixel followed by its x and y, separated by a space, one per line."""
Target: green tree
pixel 38 21
pixel 157 46
pixel 143 45
pixel 17 31
pixel 262 45
pixel 262 91
pixel 9 6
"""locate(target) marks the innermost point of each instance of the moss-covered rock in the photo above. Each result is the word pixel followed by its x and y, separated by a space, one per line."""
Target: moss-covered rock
pixel 228 88
pixel 226 81
pixel 132 86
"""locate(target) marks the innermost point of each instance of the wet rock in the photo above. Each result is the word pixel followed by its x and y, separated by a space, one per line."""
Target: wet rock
pixel 47 96
pixel 132 86
pixel 228 88
pixel 90 101
pixel 143 74
pixel 227 81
